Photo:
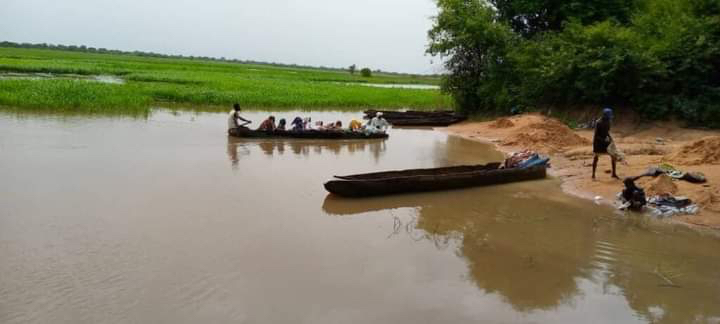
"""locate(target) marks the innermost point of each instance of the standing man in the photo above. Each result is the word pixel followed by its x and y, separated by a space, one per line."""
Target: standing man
pixel 602 140
pixel 234 117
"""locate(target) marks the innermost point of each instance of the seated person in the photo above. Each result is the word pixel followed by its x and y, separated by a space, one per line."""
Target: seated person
pixel 332 126
pixel 297 124
pixel 307 123
pixel 377 124
pixel 281 124
pixel 268 125
pixel 234 119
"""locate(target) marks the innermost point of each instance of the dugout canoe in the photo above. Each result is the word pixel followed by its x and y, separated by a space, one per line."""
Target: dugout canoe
pixel 420 180
pixel 418 118
pixel 392 114
pixel 308 134
pixel 434 122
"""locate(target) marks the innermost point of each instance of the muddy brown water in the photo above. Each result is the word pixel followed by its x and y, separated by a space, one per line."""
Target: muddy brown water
pixel 167 220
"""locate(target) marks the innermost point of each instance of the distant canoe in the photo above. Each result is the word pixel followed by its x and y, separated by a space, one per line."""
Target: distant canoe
pixel 308 134
pixel 419 180
pixel 419 118
pixel 393 114
pixel 434 122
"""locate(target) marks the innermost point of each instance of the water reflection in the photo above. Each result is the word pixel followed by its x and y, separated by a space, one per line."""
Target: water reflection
pixel 237 147
pixel 664 283
pixel 541 253
pixel 529 259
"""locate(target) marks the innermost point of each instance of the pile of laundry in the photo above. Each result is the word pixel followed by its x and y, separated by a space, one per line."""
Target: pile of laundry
pixel 660 206
pixel 666 206
pixel 671 171
pixel 525 159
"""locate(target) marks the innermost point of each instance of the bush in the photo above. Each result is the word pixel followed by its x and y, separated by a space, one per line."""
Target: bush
pixel 365 72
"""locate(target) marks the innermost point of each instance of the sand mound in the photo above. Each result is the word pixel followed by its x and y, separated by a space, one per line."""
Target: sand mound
pixel 549 134
pixel 703 151
pixel 663 184
pixel 502 123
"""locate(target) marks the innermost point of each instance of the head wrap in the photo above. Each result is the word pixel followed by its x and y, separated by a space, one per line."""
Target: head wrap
pixel 607 113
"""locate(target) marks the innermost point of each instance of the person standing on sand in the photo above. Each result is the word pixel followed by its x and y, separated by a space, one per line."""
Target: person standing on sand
pixel 602 140
pixel 233 118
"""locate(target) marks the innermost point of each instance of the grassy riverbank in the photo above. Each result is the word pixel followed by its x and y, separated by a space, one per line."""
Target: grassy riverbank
pixel 52 80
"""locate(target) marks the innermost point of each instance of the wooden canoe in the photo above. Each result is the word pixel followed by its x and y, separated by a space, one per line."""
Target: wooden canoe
pixel 419 118
pixel 392 114
pixel 419 180
pixel 309 134
pixel 435 122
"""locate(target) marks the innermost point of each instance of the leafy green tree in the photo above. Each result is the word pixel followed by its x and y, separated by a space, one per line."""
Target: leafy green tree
pixel 352 69
pixel 529 17
pixel 473 44
pixel 660 57
pixel 366 72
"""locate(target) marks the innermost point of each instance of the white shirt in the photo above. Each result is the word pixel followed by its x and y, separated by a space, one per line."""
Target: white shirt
pixel 379 124
pixel 232 120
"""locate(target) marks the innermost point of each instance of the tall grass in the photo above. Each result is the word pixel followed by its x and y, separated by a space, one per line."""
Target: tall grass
pixel 72 96
pixel 160 81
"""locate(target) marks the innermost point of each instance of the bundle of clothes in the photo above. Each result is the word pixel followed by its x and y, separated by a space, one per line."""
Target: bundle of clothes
pixel 671 171
pixel 661 206
pixel 525 159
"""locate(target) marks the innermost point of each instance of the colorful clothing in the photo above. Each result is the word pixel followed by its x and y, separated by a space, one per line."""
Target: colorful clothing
pixel 355 125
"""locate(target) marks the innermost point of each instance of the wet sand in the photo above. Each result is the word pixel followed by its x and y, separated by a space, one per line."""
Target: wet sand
pixel 167 220
pixel 644 145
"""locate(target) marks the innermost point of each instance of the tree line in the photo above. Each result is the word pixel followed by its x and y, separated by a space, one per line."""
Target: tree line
pixel 661 58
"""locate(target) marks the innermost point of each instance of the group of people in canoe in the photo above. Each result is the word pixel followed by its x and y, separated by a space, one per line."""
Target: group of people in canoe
pixel 375 125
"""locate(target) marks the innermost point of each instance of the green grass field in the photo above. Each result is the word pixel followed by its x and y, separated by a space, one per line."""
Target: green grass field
pixel 192 84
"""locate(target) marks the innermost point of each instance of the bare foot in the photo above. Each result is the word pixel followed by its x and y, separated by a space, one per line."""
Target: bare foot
pixel 615 176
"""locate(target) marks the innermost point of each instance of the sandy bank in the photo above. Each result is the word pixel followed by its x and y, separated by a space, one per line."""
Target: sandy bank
pixel 644 145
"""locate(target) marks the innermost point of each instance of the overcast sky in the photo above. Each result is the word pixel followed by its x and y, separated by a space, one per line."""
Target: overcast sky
pixel 381 34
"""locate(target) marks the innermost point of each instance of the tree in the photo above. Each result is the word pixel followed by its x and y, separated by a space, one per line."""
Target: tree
pixel 467 34
pixel 352 68
pixel 660 57
pixel 530 17
pixel 365 72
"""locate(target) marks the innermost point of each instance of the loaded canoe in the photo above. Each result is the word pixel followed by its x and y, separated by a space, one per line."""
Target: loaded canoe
pixel 419 180
pixel 310 134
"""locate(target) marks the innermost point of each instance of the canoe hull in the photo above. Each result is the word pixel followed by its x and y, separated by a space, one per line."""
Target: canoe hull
pixel 307 134
pixel 419 118
pixel 422 183
pixel 434 122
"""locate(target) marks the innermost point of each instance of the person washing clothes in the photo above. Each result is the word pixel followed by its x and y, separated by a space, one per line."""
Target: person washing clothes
pixel 602 140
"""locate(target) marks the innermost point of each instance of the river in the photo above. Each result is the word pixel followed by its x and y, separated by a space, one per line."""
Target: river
pixel 165 219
